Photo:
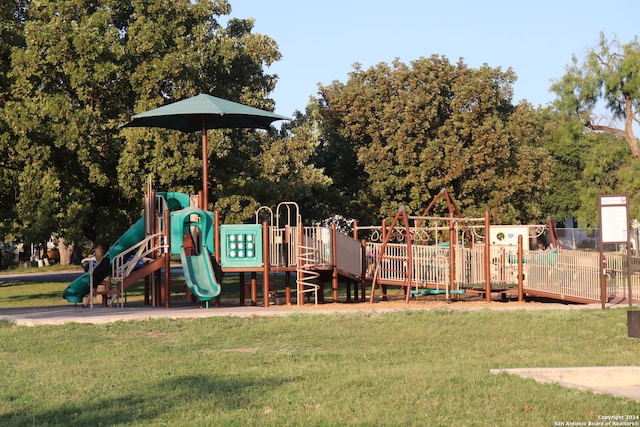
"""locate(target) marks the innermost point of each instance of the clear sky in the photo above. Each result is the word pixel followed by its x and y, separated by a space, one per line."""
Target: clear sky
pixel 320 40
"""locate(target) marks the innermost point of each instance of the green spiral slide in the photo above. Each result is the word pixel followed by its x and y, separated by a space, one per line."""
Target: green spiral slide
pixel 200 275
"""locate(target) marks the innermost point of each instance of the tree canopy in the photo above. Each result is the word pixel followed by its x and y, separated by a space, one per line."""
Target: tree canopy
pixel 393 134
pixel 608 76
pixel 78 70
pixel 396 134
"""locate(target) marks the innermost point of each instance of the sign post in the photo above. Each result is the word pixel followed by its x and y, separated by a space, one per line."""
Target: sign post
pixel 614 228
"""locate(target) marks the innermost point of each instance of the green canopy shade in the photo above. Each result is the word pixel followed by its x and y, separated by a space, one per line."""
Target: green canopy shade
pixel 203 112
pixel 190 115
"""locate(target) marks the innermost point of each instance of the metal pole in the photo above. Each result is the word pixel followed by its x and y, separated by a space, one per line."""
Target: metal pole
pixel 205 167
pixel 629 274
pixel 167 259
pixel 334 274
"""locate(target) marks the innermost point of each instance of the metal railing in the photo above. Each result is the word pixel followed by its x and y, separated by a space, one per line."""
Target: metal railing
pixel 565 273
pixel 617 272
pixel 129 260
pixel 318 247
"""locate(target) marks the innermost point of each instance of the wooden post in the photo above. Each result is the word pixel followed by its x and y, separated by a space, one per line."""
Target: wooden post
pixel 487 257
pixel 299 287
pixel 217 250
pixel 520 270
pixel 242 287
pixel 205 166
pixel 254 288
pixel 453 243
pixel 167 258
pixel 265 263
pixel 287 288
pixel 334 262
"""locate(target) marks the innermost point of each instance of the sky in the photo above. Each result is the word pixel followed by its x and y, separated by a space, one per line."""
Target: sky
pixel 320 40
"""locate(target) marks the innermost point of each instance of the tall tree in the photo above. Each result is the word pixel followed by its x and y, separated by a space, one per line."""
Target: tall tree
pixel 12 17
pixel 66 97
pixel 609 74
pixel 83 69
pixel 569 144
pixel 397 134
pixel 199 56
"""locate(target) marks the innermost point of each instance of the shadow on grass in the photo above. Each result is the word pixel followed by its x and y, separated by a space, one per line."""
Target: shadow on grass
pixel 34 297
pixel 171 395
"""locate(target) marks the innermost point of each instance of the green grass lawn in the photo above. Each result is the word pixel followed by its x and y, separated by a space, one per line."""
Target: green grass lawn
pixel 422 368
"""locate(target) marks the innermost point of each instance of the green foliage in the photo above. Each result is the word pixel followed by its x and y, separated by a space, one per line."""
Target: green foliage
pixel 65 103
pixel 609 169
pixel 609 75
pixel 12 15
pixel 200 57
pixel 587 164
pixel 78 70
pixel 567 142
pixel 396 134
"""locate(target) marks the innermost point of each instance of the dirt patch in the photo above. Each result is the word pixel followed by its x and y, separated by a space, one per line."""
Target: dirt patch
pixel 427 303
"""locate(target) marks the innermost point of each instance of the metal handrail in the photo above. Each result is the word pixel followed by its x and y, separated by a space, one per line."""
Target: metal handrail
pixel 125 263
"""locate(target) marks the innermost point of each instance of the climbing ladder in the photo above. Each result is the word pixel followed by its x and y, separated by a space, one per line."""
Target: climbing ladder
pixel 306 274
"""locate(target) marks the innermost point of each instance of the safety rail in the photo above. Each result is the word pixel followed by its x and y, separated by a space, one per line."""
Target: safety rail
pixel 430 263
pixel 283 246
pixel 567 274
pixel 127 261
pixel 283 250
pixel 617 273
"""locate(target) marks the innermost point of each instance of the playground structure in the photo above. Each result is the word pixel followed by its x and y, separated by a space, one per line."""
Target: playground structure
pixel 171 225
pixel 456 255
pixel 416 256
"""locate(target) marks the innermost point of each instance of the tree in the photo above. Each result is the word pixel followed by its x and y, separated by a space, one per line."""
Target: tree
pixel 12 16
pixel 609 169
pixel 66 98
pixel 610 73
pixel 398 134
pixel 566 139
pixel 83 69
pixel 199 56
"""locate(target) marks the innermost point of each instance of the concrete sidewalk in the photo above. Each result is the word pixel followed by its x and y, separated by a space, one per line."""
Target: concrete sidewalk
pixel 621 381
pixel 57 315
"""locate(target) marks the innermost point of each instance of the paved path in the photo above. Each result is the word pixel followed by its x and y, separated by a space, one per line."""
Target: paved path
pixel 57 315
